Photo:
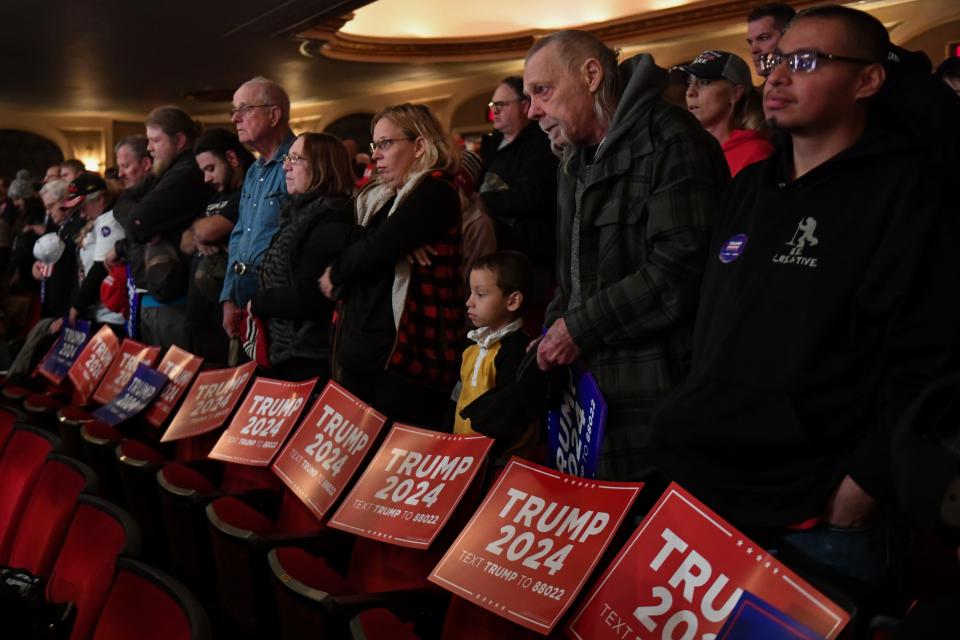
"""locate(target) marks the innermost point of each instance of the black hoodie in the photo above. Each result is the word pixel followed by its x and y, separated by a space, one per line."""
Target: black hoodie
pixel 828 302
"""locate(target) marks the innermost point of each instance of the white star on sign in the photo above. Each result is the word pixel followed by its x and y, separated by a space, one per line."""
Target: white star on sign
pixel 739 543
pixel 749 551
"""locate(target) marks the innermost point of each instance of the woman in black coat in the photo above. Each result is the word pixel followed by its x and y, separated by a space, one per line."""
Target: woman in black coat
pixel 313 229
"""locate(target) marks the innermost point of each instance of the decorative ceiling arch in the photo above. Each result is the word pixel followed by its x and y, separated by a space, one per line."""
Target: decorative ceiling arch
pixel 452 41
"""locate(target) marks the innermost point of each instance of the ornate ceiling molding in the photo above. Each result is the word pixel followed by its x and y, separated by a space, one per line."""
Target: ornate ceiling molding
pixel 661 23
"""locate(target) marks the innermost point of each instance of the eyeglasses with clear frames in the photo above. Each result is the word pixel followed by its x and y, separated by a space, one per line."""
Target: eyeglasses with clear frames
pixel 292 158
pixel 384 143
pixel 803 60
pixel 245 109
pixel 498 105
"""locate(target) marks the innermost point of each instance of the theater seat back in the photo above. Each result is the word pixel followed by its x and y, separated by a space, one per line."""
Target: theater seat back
pixel 147 604
pixel 52 502
pixel 7 421
pixel 98 535
pixel 20 466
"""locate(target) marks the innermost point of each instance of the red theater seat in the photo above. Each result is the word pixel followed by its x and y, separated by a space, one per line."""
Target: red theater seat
pixel 138 464
pixel 98 535
pixel 147 604
pixel 240 536
pixel 20 466
pixel 50 506
pixel 98 441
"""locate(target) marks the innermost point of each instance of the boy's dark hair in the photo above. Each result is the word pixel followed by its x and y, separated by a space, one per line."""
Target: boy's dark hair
pixel 218 142
pixel 781 13
pixel 866 35
pixel 513 270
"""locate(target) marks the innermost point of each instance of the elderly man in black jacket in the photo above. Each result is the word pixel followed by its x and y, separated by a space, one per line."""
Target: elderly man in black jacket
pixel 154 214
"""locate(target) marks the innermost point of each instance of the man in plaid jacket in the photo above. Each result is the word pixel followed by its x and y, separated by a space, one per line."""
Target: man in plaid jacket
pixel 637 186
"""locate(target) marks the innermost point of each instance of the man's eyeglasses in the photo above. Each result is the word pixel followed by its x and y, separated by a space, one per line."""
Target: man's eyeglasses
pixel 292 158
pixel 803 60
pixel 384 143
pixel 498 105
pixel 244 110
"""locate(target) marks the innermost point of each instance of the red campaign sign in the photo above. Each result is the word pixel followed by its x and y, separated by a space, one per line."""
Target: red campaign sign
pixel 92 363
pixel 533 543
pixel 209 401
pixel 180 367
pixel 132 354
pixel 683 572
pixel 261 424
pixel 412 486
pixel 326 451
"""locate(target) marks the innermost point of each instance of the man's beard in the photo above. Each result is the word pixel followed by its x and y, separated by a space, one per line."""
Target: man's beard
pixel 160 165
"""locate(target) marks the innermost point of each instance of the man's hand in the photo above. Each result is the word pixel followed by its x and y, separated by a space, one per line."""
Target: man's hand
pixel 37 270
pixel 557 347
pixel 231 319
pixel 72 315
pixel 110 258
pixel 422 256
pixel 208 249
pixel 188 242
pixel 326 285
pixel 850 506
pixel 55 326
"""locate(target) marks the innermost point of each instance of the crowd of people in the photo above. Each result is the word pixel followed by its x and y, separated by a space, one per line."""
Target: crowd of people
pixel 758 279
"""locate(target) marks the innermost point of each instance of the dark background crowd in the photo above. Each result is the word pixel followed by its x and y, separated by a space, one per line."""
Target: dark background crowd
pixel 759 278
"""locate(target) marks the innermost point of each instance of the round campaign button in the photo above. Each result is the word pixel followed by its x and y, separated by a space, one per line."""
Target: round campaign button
pixel 733 247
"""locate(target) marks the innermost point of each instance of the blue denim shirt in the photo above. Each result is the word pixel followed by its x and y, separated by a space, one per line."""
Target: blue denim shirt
pixel 264 193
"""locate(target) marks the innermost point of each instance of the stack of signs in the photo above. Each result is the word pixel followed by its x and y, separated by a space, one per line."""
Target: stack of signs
pixel 180 367
pixel 64 351
pixel 145 384
pixel 533 543
pixel 575 429
pixel 92 363
pixel 132 354
pixel 684 571
pixel 326 451
pixel 209 401
pixel 412 486
pixel 263 421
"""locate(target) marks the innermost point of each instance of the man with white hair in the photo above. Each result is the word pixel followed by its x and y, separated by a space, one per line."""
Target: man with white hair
pixel 636 188
pixel 261 111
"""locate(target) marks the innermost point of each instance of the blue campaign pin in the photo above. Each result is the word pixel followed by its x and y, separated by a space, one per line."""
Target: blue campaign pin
pixel 732 248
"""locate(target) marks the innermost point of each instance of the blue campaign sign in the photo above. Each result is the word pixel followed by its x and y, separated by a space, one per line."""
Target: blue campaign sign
pixel 65 351
pixel 575 428
pixel 145 385
pixel 754 618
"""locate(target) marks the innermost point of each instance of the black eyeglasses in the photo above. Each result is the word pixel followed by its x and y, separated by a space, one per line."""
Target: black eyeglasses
pixel 803 60
pixel 384 143
pixel 245 109
pixel 498 105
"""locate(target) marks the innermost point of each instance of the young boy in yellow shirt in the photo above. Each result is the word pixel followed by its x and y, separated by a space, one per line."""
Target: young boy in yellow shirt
pixel 499 285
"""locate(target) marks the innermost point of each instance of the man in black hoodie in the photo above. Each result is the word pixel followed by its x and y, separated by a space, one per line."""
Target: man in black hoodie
pixel 154 214
pixel 826 306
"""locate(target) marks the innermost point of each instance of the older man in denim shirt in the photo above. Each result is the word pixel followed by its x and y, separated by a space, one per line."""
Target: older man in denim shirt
pixel 261 111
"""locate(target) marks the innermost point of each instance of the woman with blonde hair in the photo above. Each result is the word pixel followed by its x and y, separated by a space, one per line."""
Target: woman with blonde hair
pixel 313 227
pixel 397 340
